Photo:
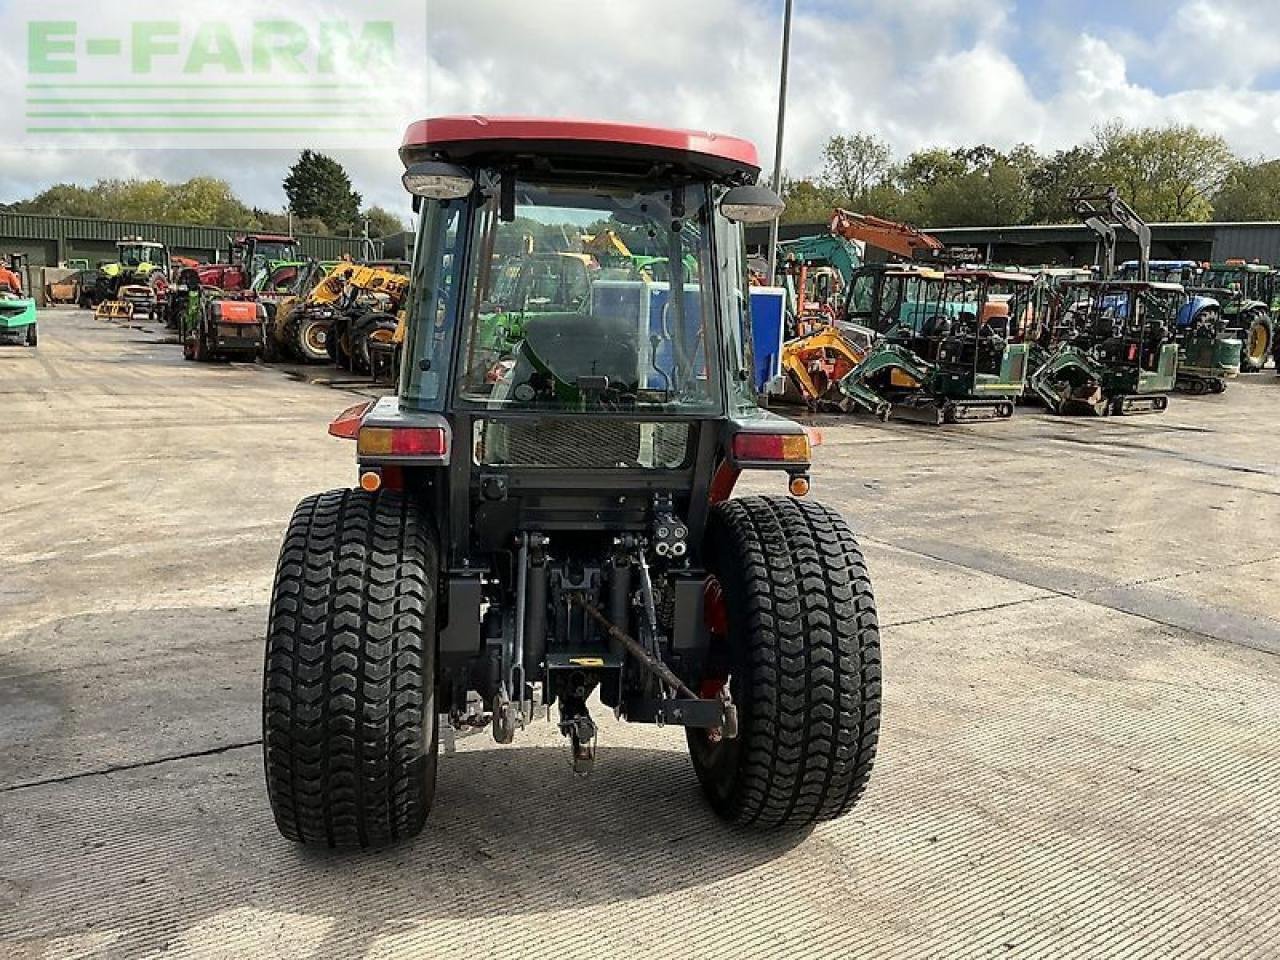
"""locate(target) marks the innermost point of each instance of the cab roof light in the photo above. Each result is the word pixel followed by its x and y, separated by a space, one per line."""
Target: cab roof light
pixel 771 448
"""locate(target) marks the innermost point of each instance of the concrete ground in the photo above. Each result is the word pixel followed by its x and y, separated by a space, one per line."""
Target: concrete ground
pixel 1081 751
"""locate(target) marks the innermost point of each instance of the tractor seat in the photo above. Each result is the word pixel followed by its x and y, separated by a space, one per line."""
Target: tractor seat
pixel 570 346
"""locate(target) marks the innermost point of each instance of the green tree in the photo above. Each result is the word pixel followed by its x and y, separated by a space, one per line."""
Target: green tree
pixel 65 200
pixel 1166 173
pixel 853 165
pixel 204 200
pixel 1052 179
pixel 201 200
pixel 318 187
pixel 384 223
pixel 807 201
pixel 972 186
pixel 1251 192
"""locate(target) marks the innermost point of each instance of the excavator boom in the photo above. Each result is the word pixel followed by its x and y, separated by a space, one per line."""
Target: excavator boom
pixel 900 239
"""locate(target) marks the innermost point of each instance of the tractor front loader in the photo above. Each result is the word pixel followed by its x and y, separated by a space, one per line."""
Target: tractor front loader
pixel 546 523
pixel 367 307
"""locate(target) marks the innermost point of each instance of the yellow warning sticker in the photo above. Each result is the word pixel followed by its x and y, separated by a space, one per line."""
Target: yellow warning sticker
pixel 586 661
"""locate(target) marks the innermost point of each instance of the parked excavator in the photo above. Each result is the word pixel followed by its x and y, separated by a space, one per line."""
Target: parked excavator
pixel 819 273
pixel 949 344
pixel 1211 348
pixel 816 272
pixel 1108 346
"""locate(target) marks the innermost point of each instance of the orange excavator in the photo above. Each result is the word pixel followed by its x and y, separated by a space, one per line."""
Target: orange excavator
pixel 828 348
pixel 899 239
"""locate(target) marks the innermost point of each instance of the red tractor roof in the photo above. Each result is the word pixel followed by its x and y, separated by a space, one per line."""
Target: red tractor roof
pixel 464 138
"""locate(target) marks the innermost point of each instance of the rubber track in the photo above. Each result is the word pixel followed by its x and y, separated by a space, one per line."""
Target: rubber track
pixel 813 655
pixel 348 733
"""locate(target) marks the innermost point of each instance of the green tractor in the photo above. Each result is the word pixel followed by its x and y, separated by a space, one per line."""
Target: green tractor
pixel 950 344
pixel 138 263
pixel 1250 304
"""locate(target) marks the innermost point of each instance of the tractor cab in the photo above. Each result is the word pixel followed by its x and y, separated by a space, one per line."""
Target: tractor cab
pixel 142 258
pixel 544 519
pixel 256 253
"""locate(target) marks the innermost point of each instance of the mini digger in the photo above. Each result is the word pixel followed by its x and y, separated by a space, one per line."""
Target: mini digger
pixel 950 345
pixel 1209 352
pixel 1108 349
pixel 1108 346
pixel 557 529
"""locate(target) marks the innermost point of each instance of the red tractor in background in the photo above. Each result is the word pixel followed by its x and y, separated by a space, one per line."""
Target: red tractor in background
pixel 247 255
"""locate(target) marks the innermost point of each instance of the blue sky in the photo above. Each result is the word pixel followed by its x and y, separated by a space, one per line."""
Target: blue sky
pixel 916 72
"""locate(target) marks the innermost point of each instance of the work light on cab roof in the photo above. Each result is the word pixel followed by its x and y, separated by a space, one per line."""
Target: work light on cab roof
pixel 542 513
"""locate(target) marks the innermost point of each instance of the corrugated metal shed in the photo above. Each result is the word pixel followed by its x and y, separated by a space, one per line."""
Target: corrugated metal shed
pixel 1249 241
pixel 49 240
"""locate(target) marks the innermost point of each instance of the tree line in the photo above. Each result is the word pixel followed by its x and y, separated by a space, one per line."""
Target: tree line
pixel 1171 173
pixel 318 188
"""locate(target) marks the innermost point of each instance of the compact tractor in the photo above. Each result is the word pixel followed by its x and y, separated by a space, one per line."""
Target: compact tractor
pixel 950 343
pixel 1250 301
pixel 1208 351
pixel 558 530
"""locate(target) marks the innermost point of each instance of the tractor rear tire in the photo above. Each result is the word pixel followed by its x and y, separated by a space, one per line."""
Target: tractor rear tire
pixel 802 653
pixel 349 723
pixel 1258 334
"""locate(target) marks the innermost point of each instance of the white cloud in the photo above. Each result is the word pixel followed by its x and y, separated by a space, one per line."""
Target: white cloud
pixel 930 72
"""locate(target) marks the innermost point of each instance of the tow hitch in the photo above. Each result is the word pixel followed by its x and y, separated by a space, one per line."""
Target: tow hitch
pixel 679 705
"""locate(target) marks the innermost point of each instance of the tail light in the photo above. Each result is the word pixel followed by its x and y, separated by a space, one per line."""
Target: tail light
pixel 771 448
pixel 402 442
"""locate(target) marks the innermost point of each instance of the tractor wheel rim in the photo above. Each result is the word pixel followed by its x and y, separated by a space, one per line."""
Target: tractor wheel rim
pixel 1257 342
pixel 315 337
